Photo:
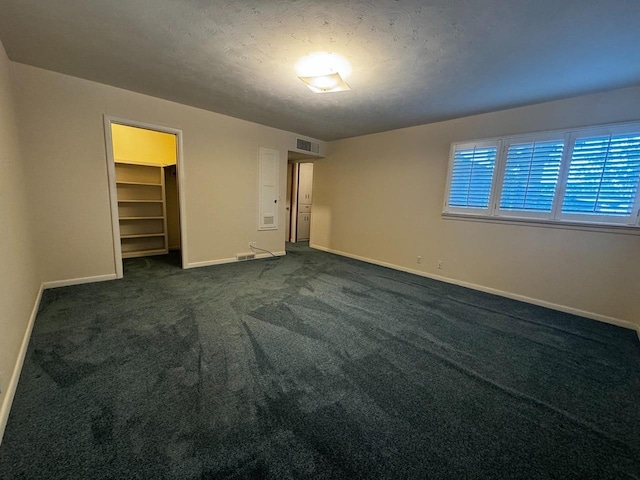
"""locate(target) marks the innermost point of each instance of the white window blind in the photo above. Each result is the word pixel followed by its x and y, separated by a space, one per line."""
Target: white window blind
pixel 603 175
pixel 531 174
pixel 472 176
pixel 586 175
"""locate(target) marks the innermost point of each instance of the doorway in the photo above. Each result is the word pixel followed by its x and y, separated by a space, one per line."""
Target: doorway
pixel 146 186
pixel 299 201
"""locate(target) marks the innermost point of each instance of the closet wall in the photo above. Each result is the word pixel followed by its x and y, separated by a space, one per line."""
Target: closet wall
pixel 139 145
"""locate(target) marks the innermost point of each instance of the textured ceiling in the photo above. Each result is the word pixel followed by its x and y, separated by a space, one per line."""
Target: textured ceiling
pixel 413 62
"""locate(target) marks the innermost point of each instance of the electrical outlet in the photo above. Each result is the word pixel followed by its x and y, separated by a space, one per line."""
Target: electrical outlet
pixel 440 264
pixel 419 260
pixel 252 244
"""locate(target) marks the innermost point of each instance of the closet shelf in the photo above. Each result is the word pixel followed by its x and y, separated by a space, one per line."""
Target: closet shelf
pixel 143 253
pixel 143 235
pixel 142 210
pixel 139 183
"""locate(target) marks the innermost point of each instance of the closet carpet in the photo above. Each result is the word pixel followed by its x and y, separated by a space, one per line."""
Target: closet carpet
pixel 317 366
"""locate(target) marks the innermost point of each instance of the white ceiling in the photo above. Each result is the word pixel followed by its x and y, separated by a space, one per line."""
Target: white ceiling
pixel 413 62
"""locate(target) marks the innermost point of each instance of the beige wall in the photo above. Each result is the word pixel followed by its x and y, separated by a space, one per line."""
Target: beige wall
pixel 19 282
pixel 61 123
pixel 380 197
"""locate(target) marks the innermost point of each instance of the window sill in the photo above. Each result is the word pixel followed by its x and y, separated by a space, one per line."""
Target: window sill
pixel 531 222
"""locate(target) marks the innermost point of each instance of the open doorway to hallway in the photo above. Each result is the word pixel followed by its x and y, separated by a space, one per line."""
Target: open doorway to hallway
pixel 299 200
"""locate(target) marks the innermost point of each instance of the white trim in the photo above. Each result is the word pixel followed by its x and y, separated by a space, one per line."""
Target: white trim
pixel 222 261
pixel 514 296
pixel 182 197
pixel 79 281
pixel 295 183
pixel 637 329
pixel 5 408
pixel 113 197
pixel 117 250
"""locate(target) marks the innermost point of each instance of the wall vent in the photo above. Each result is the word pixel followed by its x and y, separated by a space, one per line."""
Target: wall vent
pixel 307 146
pixel 245 256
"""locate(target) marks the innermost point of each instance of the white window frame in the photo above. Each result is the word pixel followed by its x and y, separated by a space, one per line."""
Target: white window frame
pixel 520 139
pixel 633 219
pixel 555 217
pixel 466 146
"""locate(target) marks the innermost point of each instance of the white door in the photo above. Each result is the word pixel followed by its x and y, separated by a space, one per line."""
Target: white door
pixel 268 209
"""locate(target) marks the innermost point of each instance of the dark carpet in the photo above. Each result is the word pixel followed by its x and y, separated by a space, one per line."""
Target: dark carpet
pixel 317 366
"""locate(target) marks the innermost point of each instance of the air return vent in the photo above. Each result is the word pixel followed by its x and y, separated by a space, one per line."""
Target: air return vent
pixel 245 256
pixel 268 220
pixel 307 146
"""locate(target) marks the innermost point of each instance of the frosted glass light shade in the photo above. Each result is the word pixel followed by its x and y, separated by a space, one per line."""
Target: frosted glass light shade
pixel 331 82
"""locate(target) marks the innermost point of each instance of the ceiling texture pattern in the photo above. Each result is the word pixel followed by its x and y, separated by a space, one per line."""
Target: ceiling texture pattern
pixel 414 62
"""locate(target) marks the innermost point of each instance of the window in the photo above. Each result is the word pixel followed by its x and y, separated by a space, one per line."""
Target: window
pixel 472 176
pixel 603 175
pixel 586 175
pixel 531 175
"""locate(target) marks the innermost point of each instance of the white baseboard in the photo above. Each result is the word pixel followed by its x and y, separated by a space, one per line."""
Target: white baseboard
pixel 78 281
pixel 5 408
pixel 221 261
pixel 501 293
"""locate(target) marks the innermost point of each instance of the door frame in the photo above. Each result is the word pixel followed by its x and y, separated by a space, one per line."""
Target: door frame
pixel 295 183
pixel 113 191
pixel 287 223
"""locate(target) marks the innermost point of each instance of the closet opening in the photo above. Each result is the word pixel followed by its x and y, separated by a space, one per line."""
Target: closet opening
pixel 146 188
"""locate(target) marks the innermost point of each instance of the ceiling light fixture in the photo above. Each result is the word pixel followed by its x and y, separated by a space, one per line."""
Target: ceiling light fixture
pixel 324 72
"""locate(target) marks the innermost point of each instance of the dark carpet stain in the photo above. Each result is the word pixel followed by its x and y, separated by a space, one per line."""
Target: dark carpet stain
pixel 101 426
pixel 64 372
pixel 261 358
